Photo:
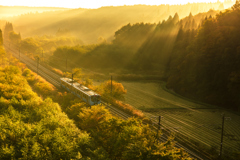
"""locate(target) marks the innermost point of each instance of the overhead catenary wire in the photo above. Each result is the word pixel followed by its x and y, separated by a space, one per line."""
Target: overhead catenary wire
pixel 170 122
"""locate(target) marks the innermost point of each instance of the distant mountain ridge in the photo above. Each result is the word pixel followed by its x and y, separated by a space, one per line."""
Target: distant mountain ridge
pixel 90 24
pixel 9 11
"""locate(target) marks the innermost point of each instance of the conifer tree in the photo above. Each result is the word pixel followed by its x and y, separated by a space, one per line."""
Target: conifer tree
pixel 176 18
pixel 1 38
pixel 236 6
pixel 7 29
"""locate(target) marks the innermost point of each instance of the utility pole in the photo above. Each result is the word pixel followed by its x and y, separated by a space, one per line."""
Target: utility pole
pixel 19 52
pixel 222 136
pixel 42 55
pixel 111 85
pixel 72 79
pixel 66 64
pixel 221 145
pixel 159 122
pixel 37 64
pixel 159 126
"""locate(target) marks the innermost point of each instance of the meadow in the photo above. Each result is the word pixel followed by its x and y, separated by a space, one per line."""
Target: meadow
pixel 197 123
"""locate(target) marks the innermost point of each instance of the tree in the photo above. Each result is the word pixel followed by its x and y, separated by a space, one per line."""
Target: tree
pixel 211 59
pixel 2 54
pixel 176 18
pixel 101 40
pixel 7 29
pixel 190 17
pixel 126 139
pixel 77 73
pixel 31 128
pixel 14 37
pixel 114 90
pixel 236 6
pixel 1 38
pixel 88 82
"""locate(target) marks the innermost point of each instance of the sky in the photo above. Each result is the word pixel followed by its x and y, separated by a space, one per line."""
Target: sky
pixel 92 3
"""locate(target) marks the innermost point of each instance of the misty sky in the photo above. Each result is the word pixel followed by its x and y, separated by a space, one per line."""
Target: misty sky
pixel 92 3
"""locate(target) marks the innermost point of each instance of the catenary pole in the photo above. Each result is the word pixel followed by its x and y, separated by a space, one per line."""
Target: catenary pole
pixel 221 145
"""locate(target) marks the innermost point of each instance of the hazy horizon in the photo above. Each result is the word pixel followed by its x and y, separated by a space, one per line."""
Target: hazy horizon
pixel 93 4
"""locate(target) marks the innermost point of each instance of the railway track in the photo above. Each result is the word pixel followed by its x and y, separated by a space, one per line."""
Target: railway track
pixel 41 70
pixel 55 80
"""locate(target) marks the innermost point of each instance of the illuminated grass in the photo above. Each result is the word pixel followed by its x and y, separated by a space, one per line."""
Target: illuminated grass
pixel 199 123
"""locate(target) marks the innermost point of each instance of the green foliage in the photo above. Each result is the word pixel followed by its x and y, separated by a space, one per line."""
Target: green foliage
pixel 90 24
pixel 2 52
pixel 7 29
pixel 154 53
pixel 77 73
pixel 114 90
pixel 138 47
pixel 31 128
pixel 69 56
pixel 1 38
pixel 28 45
pixel 75 109
pixel 133 36
pixel 88 82
pixel 128 139
pixel 236 6
pixel 14 37
pixel 43 46
pixel 205 66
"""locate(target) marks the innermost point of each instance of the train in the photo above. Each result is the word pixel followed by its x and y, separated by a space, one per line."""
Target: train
pixel 81 91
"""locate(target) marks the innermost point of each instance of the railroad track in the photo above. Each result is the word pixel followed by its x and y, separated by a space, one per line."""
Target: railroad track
pixel 55 80
pixel 41 70
pixel 116 111
pixel 191 150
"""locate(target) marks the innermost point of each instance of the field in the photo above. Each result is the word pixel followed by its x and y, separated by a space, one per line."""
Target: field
pixel 198 123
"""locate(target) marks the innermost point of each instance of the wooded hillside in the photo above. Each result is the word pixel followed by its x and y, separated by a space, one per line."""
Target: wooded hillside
pixel 206 66
pixel 90 24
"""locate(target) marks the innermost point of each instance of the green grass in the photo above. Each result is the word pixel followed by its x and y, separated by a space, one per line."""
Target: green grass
pixel 198 122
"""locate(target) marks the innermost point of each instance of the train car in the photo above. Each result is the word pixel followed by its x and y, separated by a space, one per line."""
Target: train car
pixel 81 91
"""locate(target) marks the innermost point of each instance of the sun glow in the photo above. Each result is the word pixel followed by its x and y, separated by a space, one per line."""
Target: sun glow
pixel 93 3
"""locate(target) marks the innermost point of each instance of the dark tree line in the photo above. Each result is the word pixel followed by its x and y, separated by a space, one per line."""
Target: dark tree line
pixel 206 66
pixel 1 37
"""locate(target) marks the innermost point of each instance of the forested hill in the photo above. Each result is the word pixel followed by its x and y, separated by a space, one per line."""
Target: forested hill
pixel 206 67
pixel 198 59
pixel 89 25
pixel 140 47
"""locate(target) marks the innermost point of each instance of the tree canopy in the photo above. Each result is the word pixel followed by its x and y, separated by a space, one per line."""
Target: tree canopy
pixel 205 64
pixel 36 128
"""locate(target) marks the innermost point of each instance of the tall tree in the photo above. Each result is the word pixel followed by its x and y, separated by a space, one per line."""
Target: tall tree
pixel 236 6
pixel 7 29
pixel 1 38
pixel 176 18
pixel 207 68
